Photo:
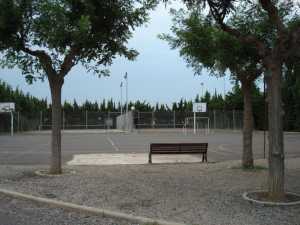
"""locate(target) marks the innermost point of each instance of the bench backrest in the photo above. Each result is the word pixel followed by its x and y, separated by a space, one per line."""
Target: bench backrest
pixel 184 148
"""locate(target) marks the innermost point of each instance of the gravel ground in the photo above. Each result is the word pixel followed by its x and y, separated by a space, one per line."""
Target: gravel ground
pixel 208 194
pixel 21 212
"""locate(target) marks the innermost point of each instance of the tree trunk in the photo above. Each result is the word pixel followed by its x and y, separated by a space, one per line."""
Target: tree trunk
pixel 247 161
pixel 56 86
pixel 276 150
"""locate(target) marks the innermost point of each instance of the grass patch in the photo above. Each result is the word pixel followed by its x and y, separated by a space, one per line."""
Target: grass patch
pixel 256 168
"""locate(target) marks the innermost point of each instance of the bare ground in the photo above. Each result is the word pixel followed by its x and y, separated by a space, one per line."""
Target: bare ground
pixel 197 193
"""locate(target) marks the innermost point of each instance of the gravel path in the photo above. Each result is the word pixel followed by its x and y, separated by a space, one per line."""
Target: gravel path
pixel 208 194
pixel 21 212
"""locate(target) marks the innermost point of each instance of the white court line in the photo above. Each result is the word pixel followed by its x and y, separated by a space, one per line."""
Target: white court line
pixel 218 152
pixel 112 143
pixel 226 150
pixel 222 150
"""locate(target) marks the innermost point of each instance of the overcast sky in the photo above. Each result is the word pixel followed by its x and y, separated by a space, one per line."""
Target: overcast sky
pixel 157 75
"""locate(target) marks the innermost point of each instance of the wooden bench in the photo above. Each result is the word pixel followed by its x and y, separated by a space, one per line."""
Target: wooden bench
pixel 178 148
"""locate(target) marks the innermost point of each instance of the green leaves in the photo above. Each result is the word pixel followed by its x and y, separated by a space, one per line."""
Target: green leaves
pixel 9 23
pixel 84 24
pixel 202 44
pixel 85 32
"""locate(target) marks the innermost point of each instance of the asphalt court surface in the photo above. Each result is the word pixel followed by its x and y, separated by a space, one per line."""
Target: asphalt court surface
pixel 34 149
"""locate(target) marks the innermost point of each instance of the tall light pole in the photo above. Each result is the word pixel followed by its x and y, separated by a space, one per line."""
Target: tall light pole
pixel 121 88
pixel 224 80
pixel 202 89
pixel 265 114
pixel 126 79
pixel 127 118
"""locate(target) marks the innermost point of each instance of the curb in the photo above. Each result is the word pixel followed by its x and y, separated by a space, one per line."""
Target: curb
pixel 268 203
pixel 88 210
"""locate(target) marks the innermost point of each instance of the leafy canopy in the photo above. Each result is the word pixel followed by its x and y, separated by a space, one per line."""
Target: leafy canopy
pixel 203 44
pixel 204 40
pixel 62 33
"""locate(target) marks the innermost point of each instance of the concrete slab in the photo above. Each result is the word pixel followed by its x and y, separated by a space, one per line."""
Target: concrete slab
pixel 130 158
pixel 78 131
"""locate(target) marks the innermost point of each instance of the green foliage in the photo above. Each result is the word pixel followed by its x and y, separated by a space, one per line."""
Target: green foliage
pixel 9 23
pixel 203 44
pixel 291 94
pixel 234 99
pixel 256 168
pixel 24 102
pixel 155 223
pixel 89 32
pixel 223 7
pixel 31 106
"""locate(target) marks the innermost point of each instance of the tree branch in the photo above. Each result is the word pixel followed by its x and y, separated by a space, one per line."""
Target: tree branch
pixel 273 13
pixel 44 58
pixel 69 61
pixel 248 39
pixel 248 75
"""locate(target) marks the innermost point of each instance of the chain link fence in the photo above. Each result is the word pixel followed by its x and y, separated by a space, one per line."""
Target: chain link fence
pixel 81 120
pixel 218 119
pixel 19 122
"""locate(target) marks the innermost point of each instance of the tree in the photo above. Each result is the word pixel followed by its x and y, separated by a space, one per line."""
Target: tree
pixel 202 44
pixel 291 94
pixel 216 102
pixel 234 98
pixel 25 103
pixel 272 27
pixel 46 39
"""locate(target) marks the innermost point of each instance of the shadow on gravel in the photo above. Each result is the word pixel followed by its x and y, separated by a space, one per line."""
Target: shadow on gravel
pixel 22 176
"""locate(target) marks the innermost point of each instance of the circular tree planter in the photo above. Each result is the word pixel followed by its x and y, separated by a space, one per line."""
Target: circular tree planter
pixel 260 197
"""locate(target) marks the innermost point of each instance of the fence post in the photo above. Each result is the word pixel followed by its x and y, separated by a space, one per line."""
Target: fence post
pixel 194 122
pixel 139 117
pixel 107 120
pixel 174 119
pixel 225 123
pixel 18 118
pixel 41 120
pixel 11 123
pixel 233 121
pixel 215 120
pixel 153 122
pixel 86 119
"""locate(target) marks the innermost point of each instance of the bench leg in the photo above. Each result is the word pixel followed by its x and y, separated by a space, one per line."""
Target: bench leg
pixel 204 157
pixel 150 158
